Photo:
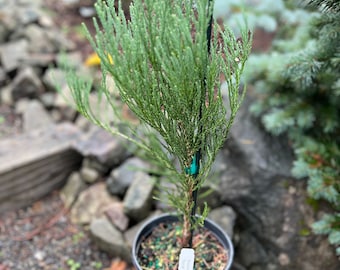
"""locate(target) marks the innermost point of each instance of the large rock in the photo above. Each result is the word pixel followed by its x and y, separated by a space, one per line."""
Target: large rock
pixel 258 184
pixel 138 198
pixel 91 204
pixel 122 177
pixel 103 147
pixel 34 164
pixel 109 239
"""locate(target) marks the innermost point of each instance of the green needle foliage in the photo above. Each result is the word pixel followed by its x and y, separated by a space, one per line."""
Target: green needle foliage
pixel 161 67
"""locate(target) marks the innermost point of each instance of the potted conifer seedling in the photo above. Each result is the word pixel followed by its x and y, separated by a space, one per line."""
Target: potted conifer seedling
pixel 167 63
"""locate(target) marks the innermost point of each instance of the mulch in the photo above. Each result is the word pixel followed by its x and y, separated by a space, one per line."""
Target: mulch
pixel 42 236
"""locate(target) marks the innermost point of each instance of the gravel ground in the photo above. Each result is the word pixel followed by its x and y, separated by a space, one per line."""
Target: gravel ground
pixel 41 236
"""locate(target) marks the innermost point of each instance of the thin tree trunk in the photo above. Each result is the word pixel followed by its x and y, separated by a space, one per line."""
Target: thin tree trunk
pixel 187 222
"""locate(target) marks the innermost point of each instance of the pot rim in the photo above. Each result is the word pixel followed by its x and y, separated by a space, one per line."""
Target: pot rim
pixel 145 229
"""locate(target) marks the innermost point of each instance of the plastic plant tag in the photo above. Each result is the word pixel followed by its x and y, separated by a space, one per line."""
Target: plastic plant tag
pixel 186 259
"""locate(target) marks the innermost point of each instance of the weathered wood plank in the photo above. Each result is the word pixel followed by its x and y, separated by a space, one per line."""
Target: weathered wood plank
pixel 24 182
pixel 7 177
pixel 33 164
pixel 31 147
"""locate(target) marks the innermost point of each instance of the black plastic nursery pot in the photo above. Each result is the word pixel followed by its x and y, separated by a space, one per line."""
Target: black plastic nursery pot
pixel 152 223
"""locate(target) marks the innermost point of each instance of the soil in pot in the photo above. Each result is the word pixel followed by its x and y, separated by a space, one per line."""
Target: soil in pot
pixel 160 250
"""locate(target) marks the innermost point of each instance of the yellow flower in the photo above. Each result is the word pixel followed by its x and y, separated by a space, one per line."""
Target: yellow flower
pixel 94 60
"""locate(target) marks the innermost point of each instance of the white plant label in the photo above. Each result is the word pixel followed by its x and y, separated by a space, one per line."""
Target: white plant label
pixel 186 259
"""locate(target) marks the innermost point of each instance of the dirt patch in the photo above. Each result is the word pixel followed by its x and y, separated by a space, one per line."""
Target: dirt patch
pixel 41 236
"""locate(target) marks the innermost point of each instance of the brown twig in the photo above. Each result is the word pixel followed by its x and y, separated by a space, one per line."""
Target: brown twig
pixel 53 220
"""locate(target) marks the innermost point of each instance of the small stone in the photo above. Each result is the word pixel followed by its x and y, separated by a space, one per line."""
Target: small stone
pixel 89 175
pixel 39 60
pixel 54 78
pixel 47 99
pixel 6 95
pixel 28 15
pixel 109 239
pixel 225 217
pixel 45 21
pixel 284 259
pixel 39 41
pixel 8 22
pixel 64 99
pixel 56 115
pixel 87 12
pixel 71 190
pixel 83 123
pixel 138 198
pixel 21 105
pixel 59 41
pixel 122 177
pixel 26 84
pixel 12 54
pixel 39 255
pixel 292 190
pixel 68 114
pixel 115 214
pixel 30 119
